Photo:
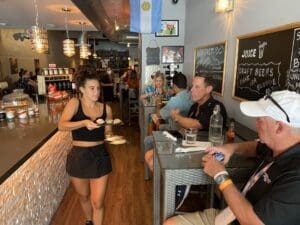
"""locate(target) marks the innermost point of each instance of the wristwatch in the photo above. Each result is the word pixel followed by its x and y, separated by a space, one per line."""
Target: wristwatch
pixel 221 178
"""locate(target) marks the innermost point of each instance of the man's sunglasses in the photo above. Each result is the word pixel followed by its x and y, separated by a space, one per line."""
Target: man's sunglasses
pixel 268 96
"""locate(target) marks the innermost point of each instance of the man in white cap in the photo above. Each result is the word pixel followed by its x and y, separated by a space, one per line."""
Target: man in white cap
pixel 271 195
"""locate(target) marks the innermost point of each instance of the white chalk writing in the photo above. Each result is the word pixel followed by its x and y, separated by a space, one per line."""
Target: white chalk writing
pixel 258 77
pixel 249 53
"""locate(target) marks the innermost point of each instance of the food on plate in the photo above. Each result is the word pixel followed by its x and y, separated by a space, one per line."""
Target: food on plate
pixel 100 121
pixel 109 121
pixel 117 121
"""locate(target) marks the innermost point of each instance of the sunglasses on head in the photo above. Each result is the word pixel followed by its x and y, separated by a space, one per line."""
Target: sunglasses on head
pixel 268 96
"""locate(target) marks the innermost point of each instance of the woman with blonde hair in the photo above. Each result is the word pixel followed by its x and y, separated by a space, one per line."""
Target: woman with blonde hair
pixel 156 88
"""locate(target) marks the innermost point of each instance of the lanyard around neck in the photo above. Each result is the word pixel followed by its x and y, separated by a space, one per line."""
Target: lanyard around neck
pixel 255 177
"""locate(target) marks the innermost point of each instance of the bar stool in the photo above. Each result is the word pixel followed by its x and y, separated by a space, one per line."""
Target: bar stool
pixel 133 104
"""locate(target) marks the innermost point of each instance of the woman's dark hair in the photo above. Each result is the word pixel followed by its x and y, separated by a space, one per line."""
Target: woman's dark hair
pixel 86 72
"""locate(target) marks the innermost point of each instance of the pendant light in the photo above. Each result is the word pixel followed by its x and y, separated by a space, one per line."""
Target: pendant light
pixel 95 54
pixel 68 44
pixel 38 36
pixel 84 50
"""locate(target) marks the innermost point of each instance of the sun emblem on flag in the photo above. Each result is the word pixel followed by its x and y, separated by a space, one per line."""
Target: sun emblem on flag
pixel 146 5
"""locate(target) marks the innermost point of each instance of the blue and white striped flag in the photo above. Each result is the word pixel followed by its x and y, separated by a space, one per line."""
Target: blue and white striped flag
pixel 145 16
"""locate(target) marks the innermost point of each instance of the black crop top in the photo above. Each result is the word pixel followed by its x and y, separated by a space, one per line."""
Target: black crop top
pixel 83 134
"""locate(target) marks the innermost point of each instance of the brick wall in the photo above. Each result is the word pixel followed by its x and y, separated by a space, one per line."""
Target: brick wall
pixel 32 193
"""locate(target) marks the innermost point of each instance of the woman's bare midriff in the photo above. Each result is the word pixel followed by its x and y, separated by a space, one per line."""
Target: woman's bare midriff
pixel 87 143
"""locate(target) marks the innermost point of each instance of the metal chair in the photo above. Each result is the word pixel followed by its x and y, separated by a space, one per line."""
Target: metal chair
pixel 133 104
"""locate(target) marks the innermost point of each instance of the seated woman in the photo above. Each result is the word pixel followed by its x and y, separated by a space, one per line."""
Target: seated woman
pixel 133 82
pixel 156 88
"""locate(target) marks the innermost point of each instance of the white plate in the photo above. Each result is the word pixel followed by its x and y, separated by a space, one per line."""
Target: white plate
pixel 118 142
pixel 114 138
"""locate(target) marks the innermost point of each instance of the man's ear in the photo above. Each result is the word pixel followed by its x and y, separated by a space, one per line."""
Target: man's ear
pixel 279 126
pixel 209 89
pixel 81 89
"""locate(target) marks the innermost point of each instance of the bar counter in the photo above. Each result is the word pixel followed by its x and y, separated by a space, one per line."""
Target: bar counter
pixel 19 141
pixel 33 179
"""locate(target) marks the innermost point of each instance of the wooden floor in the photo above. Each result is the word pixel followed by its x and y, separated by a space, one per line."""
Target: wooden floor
pixel 129 198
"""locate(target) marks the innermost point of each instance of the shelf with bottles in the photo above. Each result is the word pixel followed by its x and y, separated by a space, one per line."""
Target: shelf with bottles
pixel 54 71
pixel 54 78
pixel 62 82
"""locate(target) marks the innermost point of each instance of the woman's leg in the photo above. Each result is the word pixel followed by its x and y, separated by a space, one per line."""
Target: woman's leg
pixel 98 190
pixel 82 187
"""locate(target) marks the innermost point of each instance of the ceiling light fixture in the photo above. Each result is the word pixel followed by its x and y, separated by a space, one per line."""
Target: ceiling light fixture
pixel 84 50
pixel 68 44
pixel 95 54
pixel 117 27
pixel 224 6
pixel 38 36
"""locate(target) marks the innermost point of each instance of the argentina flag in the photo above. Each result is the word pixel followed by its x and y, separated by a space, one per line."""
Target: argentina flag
pixel 145 16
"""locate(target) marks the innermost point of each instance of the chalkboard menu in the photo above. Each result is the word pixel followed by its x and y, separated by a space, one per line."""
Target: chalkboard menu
pixel 210 60
pixel 266 61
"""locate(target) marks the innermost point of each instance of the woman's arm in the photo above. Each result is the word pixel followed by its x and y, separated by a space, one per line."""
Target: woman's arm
pixel 109 116
pixel 65 123
pixel 146 95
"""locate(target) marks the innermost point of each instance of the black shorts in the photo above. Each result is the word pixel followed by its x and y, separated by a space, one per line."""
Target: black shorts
pixel 88 162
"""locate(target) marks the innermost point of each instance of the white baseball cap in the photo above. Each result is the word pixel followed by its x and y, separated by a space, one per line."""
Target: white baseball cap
pixel 280 105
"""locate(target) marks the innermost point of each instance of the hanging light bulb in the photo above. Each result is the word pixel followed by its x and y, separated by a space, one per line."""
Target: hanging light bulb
pixel 117 27
pixel 69 47
pixel 95 54
pixel 68 44
pixel 84 50
pixel 38 36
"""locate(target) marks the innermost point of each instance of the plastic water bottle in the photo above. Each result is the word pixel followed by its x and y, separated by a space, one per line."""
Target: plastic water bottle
pixel 215 135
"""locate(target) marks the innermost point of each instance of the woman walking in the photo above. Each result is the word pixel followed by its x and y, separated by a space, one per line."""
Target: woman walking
pixel 88 163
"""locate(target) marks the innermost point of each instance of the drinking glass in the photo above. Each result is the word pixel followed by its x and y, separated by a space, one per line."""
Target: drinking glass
pixel 190 135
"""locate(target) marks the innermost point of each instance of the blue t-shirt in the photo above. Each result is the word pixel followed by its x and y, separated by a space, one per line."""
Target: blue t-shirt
pixel 181 101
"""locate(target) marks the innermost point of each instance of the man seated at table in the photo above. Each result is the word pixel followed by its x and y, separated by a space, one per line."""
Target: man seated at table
pixel 198 117
pixel 200 112
pixel 181 101
pixel 271 194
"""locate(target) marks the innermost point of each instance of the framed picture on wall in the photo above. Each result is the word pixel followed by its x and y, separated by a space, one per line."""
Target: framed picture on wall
pixel 172 54
pixel 13 63
pixel 169 28
pixel 210 61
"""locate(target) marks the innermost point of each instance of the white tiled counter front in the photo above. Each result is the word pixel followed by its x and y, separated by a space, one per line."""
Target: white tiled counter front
pixel 31 195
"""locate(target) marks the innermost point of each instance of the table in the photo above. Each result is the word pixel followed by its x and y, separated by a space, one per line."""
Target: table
pixel 171 169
